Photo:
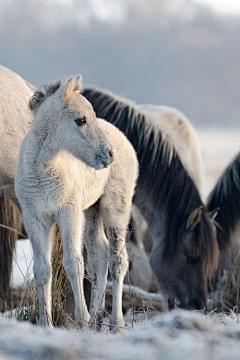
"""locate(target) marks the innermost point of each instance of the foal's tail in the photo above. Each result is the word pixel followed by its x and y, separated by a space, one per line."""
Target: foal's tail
pixel 10 225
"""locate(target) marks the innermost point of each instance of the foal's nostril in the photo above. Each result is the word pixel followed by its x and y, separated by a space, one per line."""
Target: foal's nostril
pixel 110 154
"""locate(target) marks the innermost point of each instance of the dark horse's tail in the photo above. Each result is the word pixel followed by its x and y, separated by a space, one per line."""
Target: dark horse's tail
pixel 10 225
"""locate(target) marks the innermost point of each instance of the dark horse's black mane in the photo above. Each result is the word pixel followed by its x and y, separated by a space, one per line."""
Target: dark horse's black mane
pixel 226 195
pixel 167 184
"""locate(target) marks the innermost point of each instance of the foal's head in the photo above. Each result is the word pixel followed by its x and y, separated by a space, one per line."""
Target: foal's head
pixel 62 113
pixel 185 270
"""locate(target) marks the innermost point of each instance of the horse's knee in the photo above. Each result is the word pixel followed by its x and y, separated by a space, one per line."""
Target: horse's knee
pixel 73 264
pixel 42 272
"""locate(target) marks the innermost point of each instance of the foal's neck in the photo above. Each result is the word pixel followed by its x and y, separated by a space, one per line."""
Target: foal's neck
pixel 42 145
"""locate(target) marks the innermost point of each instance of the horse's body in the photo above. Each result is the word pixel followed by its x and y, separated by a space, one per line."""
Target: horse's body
pixel 63 169
pixel 226 196
pixel 15 119
pixel 178 131
pixel 185 250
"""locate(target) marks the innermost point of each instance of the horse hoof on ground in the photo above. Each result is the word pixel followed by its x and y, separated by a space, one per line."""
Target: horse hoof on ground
pixel 47 323
pixel 117 327
pixel 83 322
pixel 96 323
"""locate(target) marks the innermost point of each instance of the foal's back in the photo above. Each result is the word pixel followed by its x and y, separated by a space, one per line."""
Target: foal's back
pixel 122 173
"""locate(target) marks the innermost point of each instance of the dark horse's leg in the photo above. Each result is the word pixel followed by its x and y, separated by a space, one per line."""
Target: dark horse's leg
pixel 10 216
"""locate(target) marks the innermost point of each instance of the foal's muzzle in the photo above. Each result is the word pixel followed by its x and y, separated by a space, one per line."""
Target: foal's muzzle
pixel 106 158
pixel 110 158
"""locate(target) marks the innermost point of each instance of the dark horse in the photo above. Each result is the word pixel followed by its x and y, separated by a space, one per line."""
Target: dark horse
pixel 185 250
pixel 226 196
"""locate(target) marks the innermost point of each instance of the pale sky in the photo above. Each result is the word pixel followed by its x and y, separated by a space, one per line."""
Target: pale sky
pixel 223 6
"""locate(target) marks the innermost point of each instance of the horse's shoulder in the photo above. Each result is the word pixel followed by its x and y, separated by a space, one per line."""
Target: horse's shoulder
pixel 111 130
pixel 122 146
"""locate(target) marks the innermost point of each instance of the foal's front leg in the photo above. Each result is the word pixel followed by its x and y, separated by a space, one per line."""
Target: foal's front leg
pixel 41 234
pixel 97 248
pixel 71 223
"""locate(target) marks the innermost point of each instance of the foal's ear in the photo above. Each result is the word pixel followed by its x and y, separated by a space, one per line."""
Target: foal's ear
pixel 68 92
pixel 74 84
pixel 78 83
pixel 194 218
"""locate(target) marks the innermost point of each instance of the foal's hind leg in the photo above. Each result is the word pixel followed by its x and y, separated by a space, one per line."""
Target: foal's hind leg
pixel 116 218
pixel 71 223
pixel 97 247
pixel 41 234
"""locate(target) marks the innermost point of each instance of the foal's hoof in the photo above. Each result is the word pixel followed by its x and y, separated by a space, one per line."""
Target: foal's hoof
pixel 46 322
pixel 117 326
pixel 96 323
pixel 83 322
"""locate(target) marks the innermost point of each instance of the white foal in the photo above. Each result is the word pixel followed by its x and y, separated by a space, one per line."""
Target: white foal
pixel 66 173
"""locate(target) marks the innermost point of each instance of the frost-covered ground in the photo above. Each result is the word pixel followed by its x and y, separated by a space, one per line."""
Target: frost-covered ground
pixel 176 335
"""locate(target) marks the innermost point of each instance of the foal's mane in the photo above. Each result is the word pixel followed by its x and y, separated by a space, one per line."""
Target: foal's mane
pixel 226 195
pixel 167 184
pixel 43 92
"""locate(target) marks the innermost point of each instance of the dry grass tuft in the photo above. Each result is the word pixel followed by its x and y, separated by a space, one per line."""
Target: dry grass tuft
pixel 226 297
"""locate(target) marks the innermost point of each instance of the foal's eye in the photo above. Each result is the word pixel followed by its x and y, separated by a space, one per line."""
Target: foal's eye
pixel 81 121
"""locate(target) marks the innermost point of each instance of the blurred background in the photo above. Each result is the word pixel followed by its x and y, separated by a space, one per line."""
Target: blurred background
pixel 181 53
